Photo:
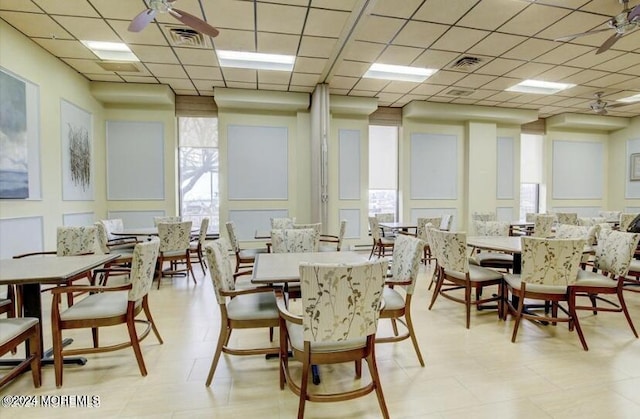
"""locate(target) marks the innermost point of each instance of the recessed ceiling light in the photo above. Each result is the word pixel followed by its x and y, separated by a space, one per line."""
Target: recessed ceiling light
pixel 398 72
pixel 539 87
pixel 256 61
pixel 630 99
pixel 115 51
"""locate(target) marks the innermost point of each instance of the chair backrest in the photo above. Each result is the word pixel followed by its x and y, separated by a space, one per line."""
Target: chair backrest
pixel 447 220
pixel 591 221
pixel 542 225
pixel 484 216
pixel 374 226
pixel 450 249
pixel 407 253
pixel 202 234
pixel 614 254
pixel 102 236
pixel 385 217
pixel 294 240
pixel 587 233
pixel 567 218
pixel 316 226
pixel 550 261
pixel 111 225
pixel 492 228
pixel 343 229
pixel 143 265
pixel 282 223
pixel 530 217
pixel 341 302
pixel 74 241
pixel 166 219
pixel 610 215
pixel 626 219
pixel 421 231
pixel 233 238
pixel 174 236
pixel 220 268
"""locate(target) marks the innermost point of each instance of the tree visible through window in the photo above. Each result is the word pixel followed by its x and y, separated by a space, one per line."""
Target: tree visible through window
pixel 199 165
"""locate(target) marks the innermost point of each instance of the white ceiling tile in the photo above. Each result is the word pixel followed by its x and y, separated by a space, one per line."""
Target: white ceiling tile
pixel 155 54
pixel 274 77
pixel 403 9
pixel 563 53
pixel 442 11
pixel 272 43
pixel 66 48
pixel 19 6
pixel 178 84
pixel 475 81
pixel 396 55
pixel 310 65
pixel 374 85
pixel 575 22
pixel 236 41
pixel 36 25
pixel 302 79
pixel 325 23
pixel 67 7
pixel 313 46
pixel 529 70
pixel 435 59
pixel 84 28
pixel 230 14
pixel 272 16
pixel 203 72
pixel 533 19
pixel 351 68
pixel 239 75
pixel 378 29
pixel 419 34
pixel 195 56
pixel 459 39
pixel 167 71
pixel 491 14
pixel 499 66
pixel 400 87
pixel 531 49
pixel 242 85
pixel 497 44
pixel 347 5
pixel 344 83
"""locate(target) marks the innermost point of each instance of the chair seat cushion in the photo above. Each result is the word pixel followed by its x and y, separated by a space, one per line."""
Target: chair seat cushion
pixel 12 327
pixel 515 282
pixel 393 300
pixel 175 253
pixel 98 306
pixel 476 274
pixel 251 253
pixel 634 266
pixel 253 307
pixel 483 258
pixel 387 240
pixel 594 279
pixel 296 336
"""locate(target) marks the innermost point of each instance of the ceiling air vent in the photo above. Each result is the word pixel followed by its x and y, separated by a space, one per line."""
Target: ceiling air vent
pixel 119 67
pixel 186 36
pixel 466 63
pixel 459 92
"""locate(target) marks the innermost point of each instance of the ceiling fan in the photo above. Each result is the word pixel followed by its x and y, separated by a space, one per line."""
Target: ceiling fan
pixel 623 23
pixel 166 6
pixel 600 106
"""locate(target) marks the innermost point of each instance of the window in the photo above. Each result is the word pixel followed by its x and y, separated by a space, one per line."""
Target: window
pixel 383 170
pixel 198 166
pixel 531 147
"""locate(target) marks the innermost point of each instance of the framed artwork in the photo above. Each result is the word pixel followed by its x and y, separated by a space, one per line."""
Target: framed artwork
pixel 14 163
pixel 635 167
pixel 76 136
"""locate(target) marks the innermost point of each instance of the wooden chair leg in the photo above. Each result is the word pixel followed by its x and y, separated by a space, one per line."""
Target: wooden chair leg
pixel 223 337
pixel 95 337
pixel 375 377
pixel 623 306
pixel 467 303
pixel 304 384
pixel 34 347
pixel 135 344
pixel 414 340
pixel 516 325
pixel 147 313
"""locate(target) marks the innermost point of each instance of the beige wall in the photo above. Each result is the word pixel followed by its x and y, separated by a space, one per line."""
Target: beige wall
pixel 619 166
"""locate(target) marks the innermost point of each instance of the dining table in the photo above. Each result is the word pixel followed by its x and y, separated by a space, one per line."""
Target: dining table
pixel 399 226
pixel 31 272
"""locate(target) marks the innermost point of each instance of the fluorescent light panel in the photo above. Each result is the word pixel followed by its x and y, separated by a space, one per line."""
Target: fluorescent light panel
pixel 630 99
pixel 113 51
pixel 256 61
pixel 539 87
pixel 398 72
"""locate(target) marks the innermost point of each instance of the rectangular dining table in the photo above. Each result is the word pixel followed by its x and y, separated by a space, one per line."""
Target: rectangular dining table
pixel 30 272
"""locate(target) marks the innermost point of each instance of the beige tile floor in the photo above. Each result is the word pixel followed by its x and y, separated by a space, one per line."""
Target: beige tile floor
pixel 475 373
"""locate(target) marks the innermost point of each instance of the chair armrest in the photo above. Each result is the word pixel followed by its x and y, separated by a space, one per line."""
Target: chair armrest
pixel 407 233
pixel 24 255
pixel 245 291
pixel 393 283
pixel 285 314
pixel 329 238
pixel 89 288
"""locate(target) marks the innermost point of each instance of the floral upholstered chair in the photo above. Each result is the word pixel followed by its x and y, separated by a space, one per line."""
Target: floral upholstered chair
pixel 610 215
pixel 115 241
pixel 332 243
pixel 14 331
pixel 196 245
pixel 108 306
pixel 549 266
pixel 282 223
pixel 570 218
pixel 382 246
pixel 166 219
pixel 421 233
pixel 248 308
pixel 386 217
pixel 174 248
pixel 542 225
pixel 613 258
pixel 626 219
pixel 340 306
pixel 456 273
pixel 407 253
pixel 294 240
pixel 492 259
pixel 245 258
pixel 591 221
pixel 484 216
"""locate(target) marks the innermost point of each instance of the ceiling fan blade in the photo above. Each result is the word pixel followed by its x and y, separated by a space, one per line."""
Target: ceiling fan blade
pixel 576 35
pixel 634 13
pixel 609 43
pixel 194 22
pixel 142 20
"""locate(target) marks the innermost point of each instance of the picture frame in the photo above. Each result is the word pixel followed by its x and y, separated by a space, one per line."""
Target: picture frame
pixel 76 134
pixel 634 165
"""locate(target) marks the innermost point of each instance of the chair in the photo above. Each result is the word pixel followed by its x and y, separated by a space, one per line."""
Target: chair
pixel 591 221
pixel 484 216
pixel 421 233
pixel 455 273
pixel 549 266
pixel 125 253
pixel 245 258
pixel 626 219
pixel 174 248
pixel 249 308
pixel 386 217
pixel 407 254
pixel 588 234
pixel 542 225
pixel 196 244
pixel 282 223
pixel 114 241
pixel 14 331
pixel 491 259
pixel 610 215
pixel 108 306
pixel 294 240
pixel 613 258
pixel 570 218
pixel 71 241
pixel 334 242
pixel 447 220
pixel 8 300
pixel 382 246
pixel 344 333
pixel 315 226
pixel 166 219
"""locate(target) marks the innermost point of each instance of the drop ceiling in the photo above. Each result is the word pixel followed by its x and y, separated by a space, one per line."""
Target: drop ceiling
pixel 335 41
